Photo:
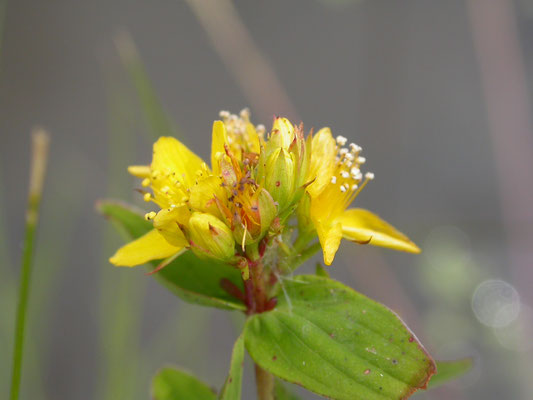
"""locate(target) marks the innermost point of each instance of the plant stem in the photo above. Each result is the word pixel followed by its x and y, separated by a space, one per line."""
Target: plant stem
pixel 265 384
pixel 40 155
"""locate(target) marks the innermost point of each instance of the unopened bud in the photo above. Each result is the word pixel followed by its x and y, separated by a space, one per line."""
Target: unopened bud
pixel 210 237
pixel 279 177
pixel 281 136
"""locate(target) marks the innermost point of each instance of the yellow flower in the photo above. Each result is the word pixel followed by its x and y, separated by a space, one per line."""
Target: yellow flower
pixel 336 181
pixel 224 201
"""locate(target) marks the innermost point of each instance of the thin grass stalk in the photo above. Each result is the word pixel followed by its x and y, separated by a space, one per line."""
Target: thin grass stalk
pixel 40 141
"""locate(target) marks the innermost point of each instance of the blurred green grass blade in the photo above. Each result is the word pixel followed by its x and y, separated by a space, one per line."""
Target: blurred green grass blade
pixel 121 294
pixel 233 385
pixel 173 384
pixel 449 370
pixel 40 141
pixel 157 120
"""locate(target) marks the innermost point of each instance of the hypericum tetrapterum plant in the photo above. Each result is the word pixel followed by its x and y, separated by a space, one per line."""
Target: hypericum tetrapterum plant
pixel 231 235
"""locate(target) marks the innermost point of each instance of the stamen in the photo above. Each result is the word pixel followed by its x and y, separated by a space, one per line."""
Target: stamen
pixel 341 140
pixel 146 182
pixel 245 113
pixel 369 176
pixel 334 179
pixel 147 196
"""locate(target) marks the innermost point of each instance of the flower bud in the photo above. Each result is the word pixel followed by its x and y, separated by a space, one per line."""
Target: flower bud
pixel 282 136
pixel 210 237
pixel 279 177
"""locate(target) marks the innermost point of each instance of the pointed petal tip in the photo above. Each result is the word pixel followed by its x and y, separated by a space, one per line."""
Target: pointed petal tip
pixel 413 248
pixel 115 260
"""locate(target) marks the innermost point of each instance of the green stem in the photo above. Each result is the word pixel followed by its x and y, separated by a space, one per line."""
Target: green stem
pixel 265 384
pixel 301 241
pixel 39 159
pixel 304 256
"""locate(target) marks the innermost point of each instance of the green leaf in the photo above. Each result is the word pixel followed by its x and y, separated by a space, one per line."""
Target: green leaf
pixel 449 370
pixel 282 393
pixel 174 384
pixel 233 385
pixel 193 279
pixel 338 343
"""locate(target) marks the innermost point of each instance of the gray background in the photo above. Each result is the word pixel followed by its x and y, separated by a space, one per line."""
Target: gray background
pixel 403 79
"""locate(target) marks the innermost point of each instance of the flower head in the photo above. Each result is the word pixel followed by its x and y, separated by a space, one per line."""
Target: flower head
pixel 255 183
pixel 215 211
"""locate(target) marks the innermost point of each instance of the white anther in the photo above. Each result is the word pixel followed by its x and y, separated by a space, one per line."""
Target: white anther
pixel 341 140
pixel 345 174
pixel 369 176
pixel 361 160
pixel 355 148
pixel 349 156
pixel 354 187
pixel 224 114
pixel 355 171
pixel 343 151
pixel 172 206
pixel 343 189
pixel 245 113
pixel 334 179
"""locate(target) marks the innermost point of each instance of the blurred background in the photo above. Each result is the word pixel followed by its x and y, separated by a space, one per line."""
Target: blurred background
pixel 438 94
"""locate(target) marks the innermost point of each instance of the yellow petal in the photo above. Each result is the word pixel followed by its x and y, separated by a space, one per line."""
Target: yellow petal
pixel 140 171
pixel 167 223
pixel 151 246
pixel 202 195
pixel 172 156
pixel 218 140
pixel 329 235
pixel 254 140
pixel 363 226
pixel 322 164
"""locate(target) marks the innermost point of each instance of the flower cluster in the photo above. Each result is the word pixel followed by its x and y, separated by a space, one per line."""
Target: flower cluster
pixel 256 183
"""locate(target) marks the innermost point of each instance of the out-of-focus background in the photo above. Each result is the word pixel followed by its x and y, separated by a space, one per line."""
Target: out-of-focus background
pixel 438 93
